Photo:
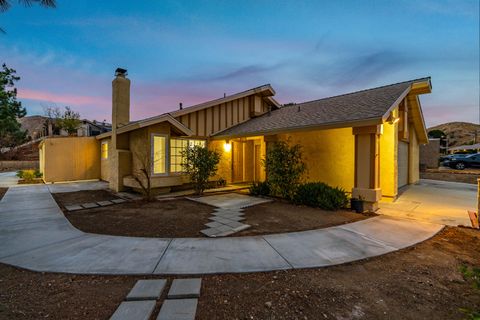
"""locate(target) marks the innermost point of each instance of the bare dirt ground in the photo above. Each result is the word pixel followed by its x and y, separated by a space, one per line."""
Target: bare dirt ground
pixel 2 192
pixel 162 219
pixel 277 217
pixel 421 282
pixel 79 197
pixel 185 218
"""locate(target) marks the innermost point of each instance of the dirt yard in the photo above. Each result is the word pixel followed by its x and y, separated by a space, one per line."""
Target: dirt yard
pixel 79 197
pixel 277 217
pixel 162 219
pixel 186 218
pixel 422 282
pixel 2 192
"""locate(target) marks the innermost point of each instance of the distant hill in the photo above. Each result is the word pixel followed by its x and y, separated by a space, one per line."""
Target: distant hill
pixel 459 133
pixel 33 124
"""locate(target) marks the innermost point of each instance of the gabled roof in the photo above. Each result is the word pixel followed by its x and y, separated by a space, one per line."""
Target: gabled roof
pixel 265 90
pixel 366 107
pixel 145 123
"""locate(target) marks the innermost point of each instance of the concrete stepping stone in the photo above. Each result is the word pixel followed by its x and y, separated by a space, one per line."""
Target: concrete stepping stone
pixel 235 224
pixel 89 205
pixel 119 201
pixel 178 309
pixel 147 290
pixel 210 232
pixel 185 288
pixel 105 203
pixel 138 310
pixel 214 224
pixel 73 207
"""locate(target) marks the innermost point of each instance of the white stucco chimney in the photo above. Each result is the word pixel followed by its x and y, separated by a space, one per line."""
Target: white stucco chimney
pixel 120 99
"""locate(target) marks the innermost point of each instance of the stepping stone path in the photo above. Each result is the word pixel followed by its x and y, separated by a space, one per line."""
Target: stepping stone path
pixel 180 309
pixel 90 205
pixel 185 288
pixel 181 302
pixel 147 290
pixel 228 214
pixel 138 310
pixel 225 222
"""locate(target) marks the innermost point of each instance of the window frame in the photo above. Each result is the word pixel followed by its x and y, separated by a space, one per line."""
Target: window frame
pixel 188 142
pixel 152 154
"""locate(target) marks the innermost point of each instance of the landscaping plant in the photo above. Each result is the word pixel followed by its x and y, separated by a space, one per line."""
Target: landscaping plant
pixel 200 164
pixel 29 175
pixel 284 168
pixel 259 189
pixel 321 195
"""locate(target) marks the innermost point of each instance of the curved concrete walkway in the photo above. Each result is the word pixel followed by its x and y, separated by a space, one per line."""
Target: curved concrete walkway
pixel 35 235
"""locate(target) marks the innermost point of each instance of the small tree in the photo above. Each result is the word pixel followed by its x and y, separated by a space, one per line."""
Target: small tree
pixel 284 168
pixel 200 164
pixel 142 172
pixel 69 121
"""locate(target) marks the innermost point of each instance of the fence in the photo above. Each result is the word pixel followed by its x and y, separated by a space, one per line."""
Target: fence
pixel 18 165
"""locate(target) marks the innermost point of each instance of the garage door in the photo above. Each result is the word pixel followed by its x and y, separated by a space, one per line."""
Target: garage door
pixel 402 163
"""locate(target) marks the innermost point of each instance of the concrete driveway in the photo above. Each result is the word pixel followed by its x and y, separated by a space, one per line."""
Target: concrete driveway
pixel 434 201
pixel 8 179
pixel 35 235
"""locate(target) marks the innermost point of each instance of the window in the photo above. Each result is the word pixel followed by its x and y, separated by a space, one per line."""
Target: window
pixel 177 146
pixel 159 156
pixel 104 150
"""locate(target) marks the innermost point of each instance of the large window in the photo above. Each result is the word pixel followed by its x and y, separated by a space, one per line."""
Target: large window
pixel 104 150
pixel 159 155
pixel 177 146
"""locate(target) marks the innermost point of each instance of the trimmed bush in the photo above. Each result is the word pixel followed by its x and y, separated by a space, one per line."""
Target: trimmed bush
pixel 321 195
pixel 284 167
pixel 259 189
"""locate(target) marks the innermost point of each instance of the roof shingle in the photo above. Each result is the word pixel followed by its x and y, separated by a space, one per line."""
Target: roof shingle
pixel 357 106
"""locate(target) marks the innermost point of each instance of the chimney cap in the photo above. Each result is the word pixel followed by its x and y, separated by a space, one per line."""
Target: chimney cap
pixel 121 72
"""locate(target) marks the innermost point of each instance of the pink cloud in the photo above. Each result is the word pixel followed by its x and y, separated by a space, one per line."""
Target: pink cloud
pixel 67 99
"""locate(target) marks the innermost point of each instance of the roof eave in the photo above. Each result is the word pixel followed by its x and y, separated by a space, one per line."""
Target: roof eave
pixel 326 126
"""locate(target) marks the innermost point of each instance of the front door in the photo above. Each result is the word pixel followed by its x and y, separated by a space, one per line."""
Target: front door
pixel 243 161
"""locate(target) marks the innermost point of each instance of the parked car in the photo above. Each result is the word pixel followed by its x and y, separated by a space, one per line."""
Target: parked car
pixel 460 163
pixel 451 156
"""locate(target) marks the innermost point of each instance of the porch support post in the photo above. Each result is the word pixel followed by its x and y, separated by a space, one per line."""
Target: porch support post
pixel 367 166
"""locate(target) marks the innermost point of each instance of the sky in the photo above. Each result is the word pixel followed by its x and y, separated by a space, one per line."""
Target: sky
pixel 195 51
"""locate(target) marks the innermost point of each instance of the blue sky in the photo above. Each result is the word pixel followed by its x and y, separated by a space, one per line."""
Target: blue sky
pixel 193 51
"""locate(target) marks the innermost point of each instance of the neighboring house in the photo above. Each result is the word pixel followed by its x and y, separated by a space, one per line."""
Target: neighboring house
pixel 40 126
pixel 366 142
pixel 93 128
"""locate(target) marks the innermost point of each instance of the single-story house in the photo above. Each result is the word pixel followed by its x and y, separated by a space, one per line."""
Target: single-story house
pixel 366 142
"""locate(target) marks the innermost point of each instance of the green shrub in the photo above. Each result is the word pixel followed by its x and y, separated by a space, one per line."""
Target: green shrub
pixel 284 167
pixel 259 189
pixel 200 164
pixel 27 175
pixel 321 195
pixel 37 173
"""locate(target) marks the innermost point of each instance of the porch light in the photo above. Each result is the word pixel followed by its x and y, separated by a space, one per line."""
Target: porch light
pixel 227 146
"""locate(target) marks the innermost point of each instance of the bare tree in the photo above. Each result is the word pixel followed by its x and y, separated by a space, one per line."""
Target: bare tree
pixel 142 169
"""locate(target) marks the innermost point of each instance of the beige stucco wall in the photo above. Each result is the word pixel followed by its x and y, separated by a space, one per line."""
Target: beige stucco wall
pixel 328 154
pixel 413 157
pixel 225 164
pixel 70 159
pixel 388 159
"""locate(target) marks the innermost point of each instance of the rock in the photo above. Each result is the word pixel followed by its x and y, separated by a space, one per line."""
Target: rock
pixel 268 304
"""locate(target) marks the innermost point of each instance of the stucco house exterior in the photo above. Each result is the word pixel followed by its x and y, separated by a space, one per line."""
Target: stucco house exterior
pixel 366 142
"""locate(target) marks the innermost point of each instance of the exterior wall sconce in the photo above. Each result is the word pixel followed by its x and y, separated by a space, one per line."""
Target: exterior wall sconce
pixel 227 147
